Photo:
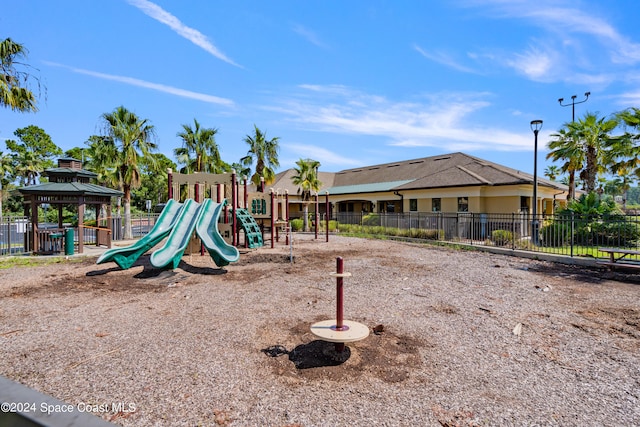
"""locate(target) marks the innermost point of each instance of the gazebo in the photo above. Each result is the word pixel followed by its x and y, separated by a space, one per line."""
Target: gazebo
pixel 69 185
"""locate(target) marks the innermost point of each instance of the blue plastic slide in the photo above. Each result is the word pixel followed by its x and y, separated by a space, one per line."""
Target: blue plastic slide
pixel 125 257
pixel 220 251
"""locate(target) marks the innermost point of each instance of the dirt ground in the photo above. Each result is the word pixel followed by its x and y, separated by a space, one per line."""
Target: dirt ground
pixel 457 338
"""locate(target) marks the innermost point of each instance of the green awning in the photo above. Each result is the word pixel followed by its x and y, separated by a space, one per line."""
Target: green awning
pixel 365 188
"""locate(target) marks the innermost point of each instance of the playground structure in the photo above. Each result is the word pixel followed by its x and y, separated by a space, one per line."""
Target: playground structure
pixel 177 223
pixel 256 211
pixel 339 330
pixel 218 225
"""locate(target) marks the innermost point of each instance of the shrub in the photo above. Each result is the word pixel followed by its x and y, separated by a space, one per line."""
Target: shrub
pixel 615 233
pixel 502 237
pixel 371 219
pixel 296 224
pixel 555 234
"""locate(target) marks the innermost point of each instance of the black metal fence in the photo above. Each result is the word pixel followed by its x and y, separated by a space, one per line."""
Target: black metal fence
pixel 566 234
pixel 15 231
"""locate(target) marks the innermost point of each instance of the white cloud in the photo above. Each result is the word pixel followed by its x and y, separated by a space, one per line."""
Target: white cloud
pixel 534 63
pixel 320 154
pixel 435 121
pixel 629 99
pixel 564 21
pixel 309 35
pixel 578 21
pixel 578 44
pixel 149 85
pixel 194 36
pixel 444 59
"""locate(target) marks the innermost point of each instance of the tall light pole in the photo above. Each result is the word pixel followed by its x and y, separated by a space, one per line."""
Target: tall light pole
pixel 536 125
pixel 573 104
pixel 572 191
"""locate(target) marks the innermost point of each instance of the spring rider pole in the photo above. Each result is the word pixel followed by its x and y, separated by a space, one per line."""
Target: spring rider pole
pixel 338 330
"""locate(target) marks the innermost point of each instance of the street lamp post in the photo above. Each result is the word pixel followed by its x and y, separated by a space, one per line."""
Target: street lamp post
pixel 572 190
pixel 573 104
pixel 536 125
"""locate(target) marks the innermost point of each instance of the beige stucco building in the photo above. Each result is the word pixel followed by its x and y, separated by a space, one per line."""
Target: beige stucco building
pixel 453 182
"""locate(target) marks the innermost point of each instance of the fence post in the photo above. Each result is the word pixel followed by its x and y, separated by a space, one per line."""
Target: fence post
pixel 513 231
pixel 572 231
pixel 9 235
pixel 473 226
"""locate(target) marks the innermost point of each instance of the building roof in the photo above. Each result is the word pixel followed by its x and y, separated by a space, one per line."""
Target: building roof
pixel 374 187
pixel 60 171
pixel 443 171
pixel 70 188
pixel 449 170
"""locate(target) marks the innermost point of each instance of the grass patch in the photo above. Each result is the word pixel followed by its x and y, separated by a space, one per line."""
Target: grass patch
pixel 33 261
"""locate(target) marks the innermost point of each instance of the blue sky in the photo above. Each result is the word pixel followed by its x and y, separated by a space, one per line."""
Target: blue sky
pixel 347 83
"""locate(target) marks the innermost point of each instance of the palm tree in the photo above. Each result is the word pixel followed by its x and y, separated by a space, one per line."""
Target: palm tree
pixel 567 147
pixel 623 153
pixel 99 158
pixel 593 133
pixel 132 137
pixel 241 170
pixel 6 170
pixel 14 92
pixel 199 151
pixel 265 154
pixel 552 172
pixel 27 167
pixel 306 178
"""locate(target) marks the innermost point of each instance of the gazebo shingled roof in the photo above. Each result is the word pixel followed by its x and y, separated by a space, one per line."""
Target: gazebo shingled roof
pixel 69 185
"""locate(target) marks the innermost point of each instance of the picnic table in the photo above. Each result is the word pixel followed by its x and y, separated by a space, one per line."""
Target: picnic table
pixel 617 258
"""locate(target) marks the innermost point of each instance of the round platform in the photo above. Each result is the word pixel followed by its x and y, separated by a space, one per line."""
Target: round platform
pixel 345 274
pixel 326 331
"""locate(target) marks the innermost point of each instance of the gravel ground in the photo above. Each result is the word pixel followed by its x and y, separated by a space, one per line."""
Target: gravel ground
pixel 462 339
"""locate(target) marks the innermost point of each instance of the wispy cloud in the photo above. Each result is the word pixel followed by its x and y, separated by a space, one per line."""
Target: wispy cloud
pixel 194 36
pixel 577 21
pixel 320 154
pixel 577 44
pixel 629 99
pixel 435 121
pixel 309 35
pixel 444 59
pixel 534 63
pixel 149 85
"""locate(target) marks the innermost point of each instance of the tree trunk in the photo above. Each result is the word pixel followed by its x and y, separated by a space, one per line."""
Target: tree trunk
pixel 305 219
pixel 572 186
pixel 592 169
pixel 128 231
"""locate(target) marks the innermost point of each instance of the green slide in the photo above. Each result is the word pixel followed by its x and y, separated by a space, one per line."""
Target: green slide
pixel 207 229
pixel 178 221
pixel 125 257
pixel 176 244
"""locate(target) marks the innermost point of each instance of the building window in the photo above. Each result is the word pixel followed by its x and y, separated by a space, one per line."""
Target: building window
pixel 436 205
pixel 413 205
pixel 463 204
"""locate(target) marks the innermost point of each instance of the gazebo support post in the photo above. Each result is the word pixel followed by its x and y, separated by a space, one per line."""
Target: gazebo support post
pixel 109 226
pixel 34 225
pixel 81 225
pixel 59 216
